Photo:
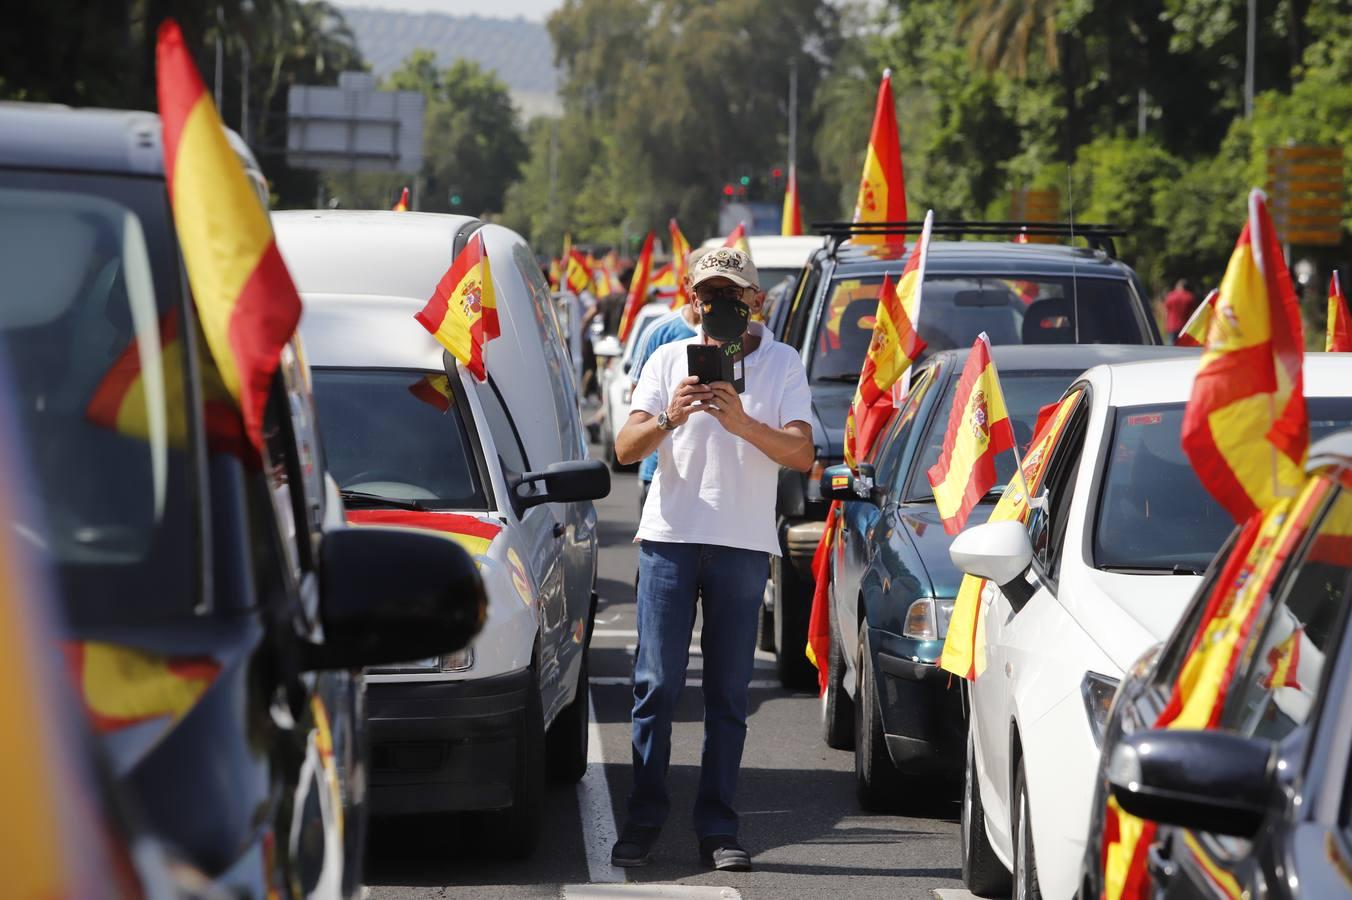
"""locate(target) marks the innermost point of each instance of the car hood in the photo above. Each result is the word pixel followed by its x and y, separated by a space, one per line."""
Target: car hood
pixel 1125 614
pixel 830 405
pixel 925 528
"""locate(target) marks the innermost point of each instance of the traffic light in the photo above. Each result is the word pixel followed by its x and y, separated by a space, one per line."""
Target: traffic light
pixel 777 178
pixel 455 196
pixel 729 190
pixel 745 181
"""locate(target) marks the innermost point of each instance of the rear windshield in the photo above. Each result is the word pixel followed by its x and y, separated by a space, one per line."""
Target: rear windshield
pixel 1153 513
pixel 953 311
pixel 1025 392
pixel 397 434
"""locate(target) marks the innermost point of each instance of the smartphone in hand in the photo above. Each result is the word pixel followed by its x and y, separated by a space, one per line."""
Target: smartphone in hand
pixel 705 362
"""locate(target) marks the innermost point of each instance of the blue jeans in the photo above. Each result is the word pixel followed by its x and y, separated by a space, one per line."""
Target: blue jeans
pixel 731 583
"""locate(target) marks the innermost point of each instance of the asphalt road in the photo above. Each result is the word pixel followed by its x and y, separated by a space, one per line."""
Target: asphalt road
pixel 800 821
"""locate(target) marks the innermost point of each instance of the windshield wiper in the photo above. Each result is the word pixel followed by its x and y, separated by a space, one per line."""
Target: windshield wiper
pixel 1152 570
pixel 837 379
pixel 379 500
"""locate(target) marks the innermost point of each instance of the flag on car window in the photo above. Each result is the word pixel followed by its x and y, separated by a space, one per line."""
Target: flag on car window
pixel 473 534
pixel 1193 333
pixel 791 223
pixel 434 390
pixel 1338 334
pixel 894 346
pixel 819 624
pixel 882 189
pixel 577 274
pixel 680 259
pixel 247 306
pixel 978 429
pixel 638 288
pixel 737 239
pixel 401 205
pixel 462 313
pixel 1245 428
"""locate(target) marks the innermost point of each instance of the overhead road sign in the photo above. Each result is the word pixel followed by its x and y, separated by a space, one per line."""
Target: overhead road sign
pixel 1307 190
pixel 354 127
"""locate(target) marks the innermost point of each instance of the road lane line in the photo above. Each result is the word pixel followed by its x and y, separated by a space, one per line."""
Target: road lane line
pixel 593 801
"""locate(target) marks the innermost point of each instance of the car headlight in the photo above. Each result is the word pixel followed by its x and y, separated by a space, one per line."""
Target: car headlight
pixel 921 621
pixel 458 661
pixel 1098 691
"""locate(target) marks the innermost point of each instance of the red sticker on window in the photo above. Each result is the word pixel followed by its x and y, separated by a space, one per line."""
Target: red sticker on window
pixel 1149 419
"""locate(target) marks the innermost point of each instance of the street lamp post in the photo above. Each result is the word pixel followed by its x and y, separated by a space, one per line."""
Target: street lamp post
pixel 1250 43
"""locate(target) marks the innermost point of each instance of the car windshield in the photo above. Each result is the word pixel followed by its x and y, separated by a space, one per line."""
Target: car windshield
pixel 1011 309
pixel 91 329
pixel 773 278
pixel 398 435
pixel 1153 514
pixel 1026 392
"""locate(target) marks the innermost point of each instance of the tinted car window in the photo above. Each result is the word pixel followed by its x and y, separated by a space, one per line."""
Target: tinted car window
pixel 888 467
pixel 1025 392
pixel 91 324
pixel 397 434
pixel 953 311
pixel 511 455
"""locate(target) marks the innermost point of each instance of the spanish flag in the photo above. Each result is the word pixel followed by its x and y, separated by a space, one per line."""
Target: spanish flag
pixel 1245 428
pixel 791 224
pixel 1338 335
pixel 680 260
pixel 122 686
pixel 638 287
pixel 738 239
pixel 1283 662
pixel 462 313
pixel 246 303
pixel 577 274
pixel 434 390
pixel 895 345
pixel 402 204
pixel 882 189
pixel 1199 323
pixel 819 623
pixel 978 429
pixel 473 534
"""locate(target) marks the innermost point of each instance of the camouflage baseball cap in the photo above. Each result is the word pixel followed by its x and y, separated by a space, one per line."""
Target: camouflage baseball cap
pixel 725 262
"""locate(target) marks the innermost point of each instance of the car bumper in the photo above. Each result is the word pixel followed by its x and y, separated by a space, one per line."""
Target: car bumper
pixel 923 717
pixel 800 544
pixel 441 746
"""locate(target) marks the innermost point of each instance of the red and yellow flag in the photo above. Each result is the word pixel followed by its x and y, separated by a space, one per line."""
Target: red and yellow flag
pixel 819 623
pixel 577 274
pixel 882 189
pixel 978 429
pixel 402 204
pixel 1338 333
pixel 462 313
pixel 895 345
pixel 473 534
pixel 638 288
pixel 1245 428
pixel 246 302
pixel 791 223
pixel 1195 329
pixel 434 390
pixel 554 274
pixel 737 239
pixel 680 260
pixel 122 686
pixel 1283 662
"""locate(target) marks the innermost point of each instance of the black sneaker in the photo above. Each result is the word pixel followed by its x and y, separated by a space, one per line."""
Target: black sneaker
pixel 635 846
pixel 721 851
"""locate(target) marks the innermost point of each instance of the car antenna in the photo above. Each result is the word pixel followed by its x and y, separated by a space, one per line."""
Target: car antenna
pixel 1074 282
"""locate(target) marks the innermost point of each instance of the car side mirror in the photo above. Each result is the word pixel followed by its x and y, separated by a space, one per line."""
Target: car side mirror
pixel 391 594
pixel 846 484
pixel 1204 780
pixel 999 552
pixel 564 482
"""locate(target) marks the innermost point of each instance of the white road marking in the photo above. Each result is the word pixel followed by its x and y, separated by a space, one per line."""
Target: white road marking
pixel 649 892
pixel 598 816
pixel 953 894
pixel 757 684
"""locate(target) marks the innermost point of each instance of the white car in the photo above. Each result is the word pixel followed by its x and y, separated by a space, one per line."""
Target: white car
pixel 778 258
pixel 414 439
pixel 617 386
pixel 1120 534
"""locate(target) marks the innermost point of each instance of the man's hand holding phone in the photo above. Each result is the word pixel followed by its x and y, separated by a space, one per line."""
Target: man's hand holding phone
pixel 689 397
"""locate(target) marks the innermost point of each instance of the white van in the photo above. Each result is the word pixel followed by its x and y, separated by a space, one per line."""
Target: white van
pixel 413 439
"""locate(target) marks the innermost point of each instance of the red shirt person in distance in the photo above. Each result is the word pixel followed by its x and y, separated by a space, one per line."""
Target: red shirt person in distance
pixel 1179 305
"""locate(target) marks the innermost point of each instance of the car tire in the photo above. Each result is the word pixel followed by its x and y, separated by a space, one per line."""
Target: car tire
pixel 792 607
pixel 516 829
pixel 566 741
pixel 982 871
pixel 1026 885
pixel 877 782
pixel 837 707
pixel 765 635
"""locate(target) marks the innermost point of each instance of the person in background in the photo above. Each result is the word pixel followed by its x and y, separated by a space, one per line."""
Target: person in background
pixel 680 325
pixel 1179 305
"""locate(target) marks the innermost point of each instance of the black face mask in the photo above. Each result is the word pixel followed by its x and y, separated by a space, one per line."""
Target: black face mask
pixel 725 320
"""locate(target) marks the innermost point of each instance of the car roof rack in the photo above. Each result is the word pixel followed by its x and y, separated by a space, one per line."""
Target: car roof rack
pixel 1099 237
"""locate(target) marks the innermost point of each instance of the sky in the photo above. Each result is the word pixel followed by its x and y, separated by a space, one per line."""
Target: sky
pixel 535 10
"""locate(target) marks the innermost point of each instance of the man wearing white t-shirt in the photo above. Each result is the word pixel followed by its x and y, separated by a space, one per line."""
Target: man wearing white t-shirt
pixel 707 532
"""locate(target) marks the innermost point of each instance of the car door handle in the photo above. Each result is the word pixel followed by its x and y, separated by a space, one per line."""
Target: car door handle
pixel 560 529
pixel 1160 867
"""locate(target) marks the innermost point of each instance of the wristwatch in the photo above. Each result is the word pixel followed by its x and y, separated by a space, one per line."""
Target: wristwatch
pixel 664 422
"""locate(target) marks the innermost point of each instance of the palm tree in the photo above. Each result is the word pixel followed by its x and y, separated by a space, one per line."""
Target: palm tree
pixel 1003 34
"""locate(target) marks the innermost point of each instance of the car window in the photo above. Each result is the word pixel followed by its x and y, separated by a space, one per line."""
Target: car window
pixel 1283 670
pixel 94 333
pixel 795 322
pixel 571 441
pixel 887 466
pixel 400 434
pixel 1153 513
pixel 954 310
pixel 511 454
pixel 1026 392
pixel 1047 522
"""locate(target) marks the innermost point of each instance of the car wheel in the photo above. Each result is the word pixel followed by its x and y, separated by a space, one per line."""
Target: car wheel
pixel 793 605
pixel 566 742
pixel 982 871
pixel 1026 885
pixel 876 779
pixel 837 707
pixel 765 635
pixel 516 829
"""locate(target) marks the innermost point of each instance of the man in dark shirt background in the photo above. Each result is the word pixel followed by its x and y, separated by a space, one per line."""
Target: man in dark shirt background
pixel 1179 305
